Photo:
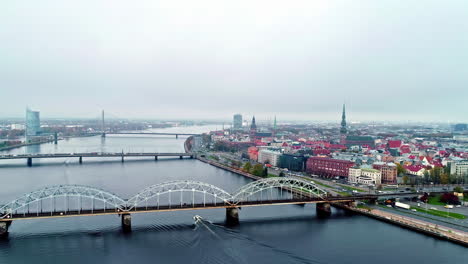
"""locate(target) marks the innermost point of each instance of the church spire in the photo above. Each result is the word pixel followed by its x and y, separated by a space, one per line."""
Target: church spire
pixel 253 125
pixel 343 129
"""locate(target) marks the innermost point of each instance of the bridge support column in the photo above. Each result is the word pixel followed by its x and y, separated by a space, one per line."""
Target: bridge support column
pixel 55 138
pixel 176 136
pixel 29 162
pixel 323 209
pixel 126 222
pixel 122 159
pixel 180 157
pixel 191 156
pixel 232 216
pixel 80 160
pixel 155 157
pixel 103 135
pixel 4 228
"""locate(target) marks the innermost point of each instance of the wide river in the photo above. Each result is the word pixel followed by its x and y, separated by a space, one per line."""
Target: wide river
pixel 269 234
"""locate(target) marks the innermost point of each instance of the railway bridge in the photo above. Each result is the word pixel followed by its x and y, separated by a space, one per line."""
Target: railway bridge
pixel 77 200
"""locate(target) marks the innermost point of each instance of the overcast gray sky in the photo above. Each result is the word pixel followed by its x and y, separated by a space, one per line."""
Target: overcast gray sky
pixel 388 60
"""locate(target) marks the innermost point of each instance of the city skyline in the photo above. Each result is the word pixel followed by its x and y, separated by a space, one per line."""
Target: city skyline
pixel 172 61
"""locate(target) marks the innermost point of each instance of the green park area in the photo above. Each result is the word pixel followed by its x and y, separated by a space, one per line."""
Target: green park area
pixel 445 214
pixel 349 188
pixel 435 200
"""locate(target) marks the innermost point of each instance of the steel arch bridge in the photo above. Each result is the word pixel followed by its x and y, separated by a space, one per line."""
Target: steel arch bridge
pixel 299 190
pixel 178 187
pixel 290 184
pixel 63 191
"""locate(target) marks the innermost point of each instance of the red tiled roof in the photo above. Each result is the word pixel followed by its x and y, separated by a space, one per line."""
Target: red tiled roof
pixel 394 143
pixel 414 168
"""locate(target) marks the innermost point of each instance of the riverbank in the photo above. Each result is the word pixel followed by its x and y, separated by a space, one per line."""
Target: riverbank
pixel 25 144
pixel 434 230
pixel 231 169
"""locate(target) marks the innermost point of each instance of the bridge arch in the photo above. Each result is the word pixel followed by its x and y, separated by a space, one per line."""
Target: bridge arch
pixel 63 191
pixel 175 187
pixel 252 188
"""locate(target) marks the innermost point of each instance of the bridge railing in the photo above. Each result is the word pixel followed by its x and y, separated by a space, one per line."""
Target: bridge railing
pixel 184 193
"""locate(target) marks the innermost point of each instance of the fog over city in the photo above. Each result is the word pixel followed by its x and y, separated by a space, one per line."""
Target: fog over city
pixel 299 60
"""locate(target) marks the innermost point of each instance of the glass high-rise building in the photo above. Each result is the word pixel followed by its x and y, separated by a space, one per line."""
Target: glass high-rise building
pixel 237 123
pixel 33 123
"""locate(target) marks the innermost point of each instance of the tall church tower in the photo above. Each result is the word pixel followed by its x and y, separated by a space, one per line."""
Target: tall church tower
pixel 253 129
pixel 343 129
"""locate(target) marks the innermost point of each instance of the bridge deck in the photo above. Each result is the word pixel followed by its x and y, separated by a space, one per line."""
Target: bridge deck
pixel 94 155
pixel 166 208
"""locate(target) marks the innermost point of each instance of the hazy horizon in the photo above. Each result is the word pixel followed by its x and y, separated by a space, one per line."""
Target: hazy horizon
pixel 207 60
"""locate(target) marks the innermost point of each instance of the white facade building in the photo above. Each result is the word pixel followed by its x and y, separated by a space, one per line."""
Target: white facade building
pixel 269 156
pixel 365 176
pixel 459 168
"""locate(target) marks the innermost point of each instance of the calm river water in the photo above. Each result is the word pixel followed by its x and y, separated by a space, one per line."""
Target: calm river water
pixel 275 234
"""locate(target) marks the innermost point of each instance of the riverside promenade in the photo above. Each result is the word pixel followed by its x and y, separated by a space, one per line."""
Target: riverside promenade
pixel 442 232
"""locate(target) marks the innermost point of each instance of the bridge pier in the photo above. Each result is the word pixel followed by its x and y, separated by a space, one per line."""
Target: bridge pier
pixel 4 228
pixel 122 159
pixel 29 162
pixel 155 157
pixel 126 222
pixel 80 160
pixel 55 138
pixel 323 209
pixel 103 135
pixel 180 157
pixel 176 136
pixel 232 216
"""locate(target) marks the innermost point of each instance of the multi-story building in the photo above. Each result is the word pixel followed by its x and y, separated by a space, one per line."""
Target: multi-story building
pixel 353 175
pixel 374 174
pixel 388 172
pixel 33 123
pixel 364 176
pixel 328 167
pixel 269 156
pixel 237 122
pixel 292 162
pixel 459 168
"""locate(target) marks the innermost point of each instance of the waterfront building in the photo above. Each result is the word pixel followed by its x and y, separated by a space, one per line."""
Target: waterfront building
pixel 364 176
pixel 373 174
pixel 237 122
pixel 388 172
pixel 269 156
pixel 292 162
pixel 328 167
pixel 33 123
pixel 354 173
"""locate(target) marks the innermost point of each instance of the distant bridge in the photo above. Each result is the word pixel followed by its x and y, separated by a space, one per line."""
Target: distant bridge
pixel 77 200
pixel 149 133
pixel 80 156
